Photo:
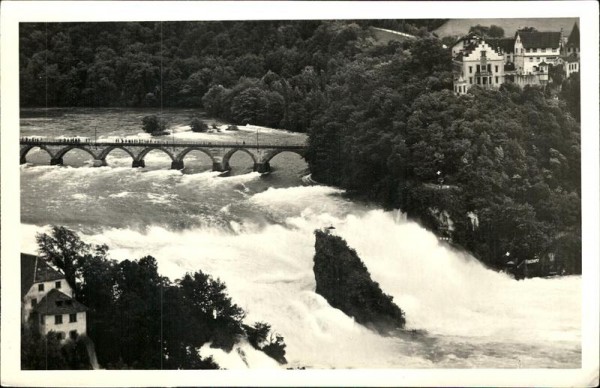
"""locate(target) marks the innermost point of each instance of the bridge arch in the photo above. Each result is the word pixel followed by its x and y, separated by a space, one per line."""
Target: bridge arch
pixel 109 149
pixel 267 158
pixel 25 150
pixel 232 151
pixel 182 154
pixel 145 152
pixel 62 152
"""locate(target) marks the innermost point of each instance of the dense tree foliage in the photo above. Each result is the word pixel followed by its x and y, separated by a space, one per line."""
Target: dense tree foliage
pixel 139 319
pixel 269 72
pixel 47 352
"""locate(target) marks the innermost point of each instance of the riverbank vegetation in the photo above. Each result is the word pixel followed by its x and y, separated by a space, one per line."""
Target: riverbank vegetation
pixel 139 319
pixel 382 120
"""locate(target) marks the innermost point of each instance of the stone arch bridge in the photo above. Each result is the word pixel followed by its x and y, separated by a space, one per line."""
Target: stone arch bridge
pixel 219 153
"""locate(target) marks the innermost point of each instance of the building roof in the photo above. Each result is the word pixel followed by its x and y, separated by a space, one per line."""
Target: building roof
pixel 469 36
pixel 537 39
pixel 574 37
pixel 56 302
pixel 36 270
pixel 27 272
pixel 505 45
pixel 542 64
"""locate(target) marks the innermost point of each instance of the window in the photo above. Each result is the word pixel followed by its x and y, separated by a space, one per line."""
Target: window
pixel 57 319
pixel 535 50
pixel 496 68
pixel 470 69
pixel 33 302
pixel 73 334
pixel 41 287
pixel 478 68
pixel 531 59
pixel 543 50
pixel 489 68
pixel 521 51
pixel 57 284
pixel 537 59
pixel 553 50
pixel 471 80
pixel 528 50
pixel 484 80
pixel 73 317
pixel 478 80
pixel 496 79
pixel 61 335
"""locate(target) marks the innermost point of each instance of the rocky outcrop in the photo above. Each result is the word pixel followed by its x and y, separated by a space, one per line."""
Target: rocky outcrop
pixel 345 282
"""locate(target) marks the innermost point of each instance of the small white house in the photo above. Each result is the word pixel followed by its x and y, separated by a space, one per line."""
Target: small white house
pixel 47 299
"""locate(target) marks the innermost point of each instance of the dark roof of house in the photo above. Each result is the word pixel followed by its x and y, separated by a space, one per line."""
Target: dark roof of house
pixel 537 39
pixel 574 37
pixel 470 35
pixel 27 272
pixel 505 45
pixel 56 302
pixel 542 64
pixel 36 270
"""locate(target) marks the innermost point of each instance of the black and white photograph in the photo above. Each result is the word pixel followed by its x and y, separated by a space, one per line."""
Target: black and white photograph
pixel 297 194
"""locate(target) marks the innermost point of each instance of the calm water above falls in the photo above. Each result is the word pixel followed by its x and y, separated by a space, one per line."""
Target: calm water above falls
pixel 256 234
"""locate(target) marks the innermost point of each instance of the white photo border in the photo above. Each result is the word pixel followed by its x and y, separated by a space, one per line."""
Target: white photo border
pixel 14 12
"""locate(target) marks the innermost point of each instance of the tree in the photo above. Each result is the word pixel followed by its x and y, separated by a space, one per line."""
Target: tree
pixel 63 248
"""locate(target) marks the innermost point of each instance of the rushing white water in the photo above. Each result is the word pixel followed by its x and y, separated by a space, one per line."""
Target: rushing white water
pixel 255 233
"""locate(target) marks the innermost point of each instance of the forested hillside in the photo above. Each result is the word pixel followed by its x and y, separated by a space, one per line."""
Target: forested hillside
pixel 382 119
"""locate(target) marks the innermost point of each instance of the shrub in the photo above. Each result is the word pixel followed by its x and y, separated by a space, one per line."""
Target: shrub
pixel 154 125
pixel 198 125
pixel 233 128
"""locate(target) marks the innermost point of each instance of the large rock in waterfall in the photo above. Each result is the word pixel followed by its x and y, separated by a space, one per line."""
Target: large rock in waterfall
pixel 345 282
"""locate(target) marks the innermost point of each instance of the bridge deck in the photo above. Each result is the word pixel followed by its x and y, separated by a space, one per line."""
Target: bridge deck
pixel 154 143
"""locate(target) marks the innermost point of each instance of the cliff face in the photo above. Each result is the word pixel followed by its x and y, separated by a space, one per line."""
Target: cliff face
pixel 345 282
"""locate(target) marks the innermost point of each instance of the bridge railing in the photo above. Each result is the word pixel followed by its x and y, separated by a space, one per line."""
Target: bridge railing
pixel 151 143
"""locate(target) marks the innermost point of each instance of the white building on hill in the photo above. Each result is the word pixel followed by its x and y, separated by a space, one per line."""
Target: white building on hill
pixel 47 300
pixel 525 59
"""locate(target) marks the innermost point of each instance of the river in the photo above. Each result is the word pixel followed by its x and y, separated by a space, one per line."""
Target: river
pixel 255 233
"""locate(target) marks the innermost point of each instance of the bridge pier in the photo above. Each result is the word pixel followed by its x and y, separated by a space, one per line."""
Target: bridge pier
pixel 138 163
pixel 262 167
pixel 177 165
pixel 100 163
pixel 56 161
pixel 220 166
pixel 22 160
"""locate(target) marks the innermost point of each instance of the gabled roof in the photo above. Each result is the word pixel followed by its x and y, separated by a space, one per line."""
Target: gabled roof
pixel 537 39
pixel 36 270
pixel 542 64
pixel 469 36
pixel 27 272
pixel 574 37
pixel 56 302
pixel 506 45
